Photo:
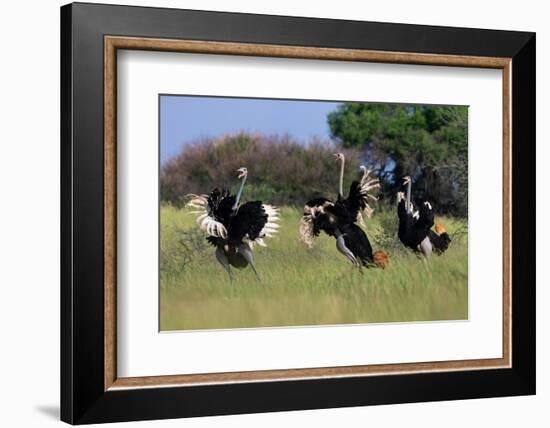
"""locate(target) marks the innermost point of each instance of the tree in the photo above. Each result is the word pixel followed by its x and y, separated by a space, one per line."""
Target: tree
pixel 429 143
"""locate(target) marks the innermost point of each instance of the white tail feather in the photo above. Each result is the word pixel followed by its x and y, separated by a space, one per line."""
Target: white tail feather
pixel 366 185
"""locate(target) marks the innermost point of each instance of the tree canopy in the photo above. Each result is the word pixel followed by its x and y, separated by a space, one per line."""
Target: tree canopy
pixel 429 143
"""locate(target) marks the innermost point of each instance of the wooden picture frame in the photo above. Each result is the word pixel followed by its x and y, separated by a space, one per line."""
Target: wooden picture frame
pixel 91 390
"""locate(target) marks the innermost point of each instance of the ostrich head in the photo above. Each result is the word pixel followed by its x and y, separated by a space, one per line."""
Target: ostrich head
pixel 407 179
pixel 243 172
pixel 363 168
pixel 339 156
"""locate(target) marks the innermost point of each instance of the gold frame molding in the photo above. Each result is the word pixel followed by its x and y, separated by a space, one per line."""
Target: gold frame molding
pixel 113 43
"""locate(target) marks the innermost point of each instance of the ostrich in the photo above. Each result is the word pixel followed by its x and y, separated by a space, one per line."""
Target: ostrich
pixel 338 219
pixel 232 228
pixel 415 225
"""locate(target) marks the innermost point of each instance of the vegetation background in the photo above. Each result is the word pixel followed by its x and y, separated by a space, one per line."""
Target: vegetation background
pixel 318 286
pixel 429 143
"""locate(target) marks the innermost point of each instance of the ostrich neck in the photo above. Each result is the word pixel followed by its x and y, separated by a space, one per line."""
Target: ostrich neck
pixel 238 198
pixel 409 184
pixel 341 183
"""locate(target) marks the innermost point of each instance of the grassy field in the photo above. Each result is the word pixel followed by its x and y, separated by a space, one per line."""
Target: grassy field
pixel 306 287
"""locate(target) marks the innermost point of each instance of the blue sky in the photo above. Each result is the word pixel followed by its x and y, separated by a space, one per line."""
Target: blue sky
pixel 183 119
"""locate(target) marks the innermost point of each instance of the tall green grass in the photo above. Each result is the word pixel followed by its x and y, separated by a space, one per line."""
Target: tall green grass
pixel 306 287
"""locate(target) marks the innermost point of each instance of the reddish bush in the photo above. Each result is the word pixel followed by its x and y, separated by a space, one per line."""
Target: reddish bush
pixel 281 170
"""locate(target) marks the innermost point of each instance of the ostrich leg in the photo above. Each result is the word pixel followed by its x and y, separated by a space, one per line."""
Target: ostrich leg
pixel 426 247
pixel 341 246
pixel 224 261
pixel 247 254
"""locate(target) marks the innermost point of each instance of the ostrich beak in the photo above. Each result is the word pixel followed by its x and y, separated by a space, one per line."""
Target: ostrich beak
pixel 242 172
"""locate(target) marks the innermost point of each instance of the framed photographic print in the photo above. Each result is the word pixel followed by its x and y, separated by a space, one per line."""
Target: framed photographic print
pixel 265 213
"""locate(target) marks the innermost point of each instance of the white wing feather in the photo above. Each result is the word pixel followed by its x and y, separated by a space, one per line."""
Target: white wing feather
pixel 205 220
pixel 366 186
pixel 306 223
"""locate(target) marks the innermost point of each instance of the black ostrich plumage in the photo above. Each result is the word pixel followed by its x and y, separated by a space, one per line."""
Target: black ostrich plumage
pixel 416 224
pixel 338 219
pixel 232 228
pixel 245 222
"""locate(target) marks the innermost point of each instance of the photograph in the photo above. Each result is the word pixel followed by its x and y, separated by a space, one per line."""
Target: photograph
pixel 294 213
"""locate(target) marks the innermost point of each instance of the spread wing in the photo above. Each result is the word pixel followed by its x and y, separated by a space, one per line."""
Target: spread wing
pixel 214 211
pixel 360 193
pixel 253 222
pixel 318 216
